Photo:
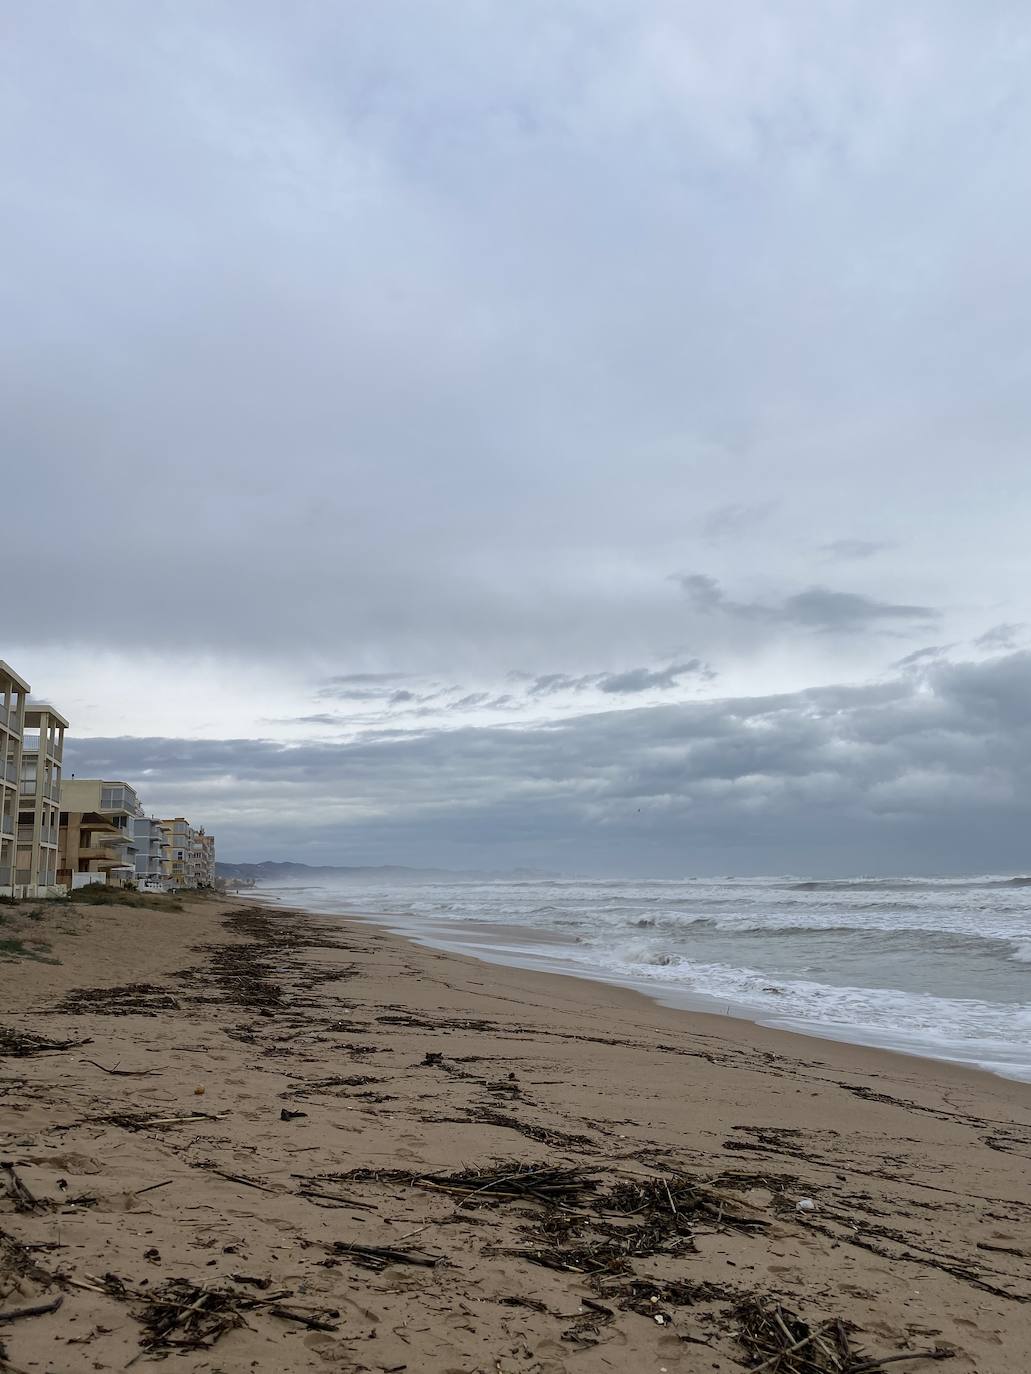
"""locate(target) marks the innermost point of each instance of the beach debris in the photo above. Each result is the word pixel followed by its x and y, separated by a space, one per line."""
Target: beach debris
pixel 509 1182
pixel 36 1309
pixel 17 1263
pixel 15 1044
pixel 586 1330
pixel 123 1073
pixel 681 1198
pixel 16 1191
pixel 805 1204
pixel 315 1187
pixel 140 1121
pixel 650 1297
pixel 287 1115
pixel 313 1323
pixel 779 1341
pixel 324 1087
pixel 378 1257
pixel 236 1178
pixel 181 1316
pixel 558 1140
pixel 128 999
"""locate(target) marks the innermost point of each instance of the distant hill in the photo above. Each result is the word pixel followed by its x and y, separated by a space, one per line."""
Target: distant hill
pixel 270 872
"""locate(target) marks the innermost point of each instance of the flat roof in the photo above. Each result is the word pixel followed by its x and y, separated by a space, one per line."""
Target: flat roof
pixel 40 707
pixel 7 671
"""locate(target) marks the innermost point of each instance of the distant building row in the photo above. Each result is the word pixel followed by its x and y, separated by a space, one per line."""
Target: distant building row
pixel 59 834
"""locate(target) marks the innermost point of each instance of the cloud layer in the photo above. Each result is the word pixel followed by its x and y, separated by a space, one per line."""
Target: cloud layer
pixel 928 772
pixel 473 420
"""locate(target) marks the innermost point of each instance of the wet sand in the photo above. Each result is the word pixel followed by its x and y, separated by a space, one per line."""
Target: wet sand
pixel 683 1144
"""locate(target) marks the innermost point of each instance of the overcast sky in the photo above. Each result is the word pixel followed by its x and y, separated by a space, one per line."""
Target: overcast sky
pixel 591 435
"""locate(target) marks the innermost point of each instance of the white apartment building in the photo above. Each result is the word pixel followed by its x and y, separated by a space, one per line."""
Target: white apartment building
pixel 39 800
pixel 13 692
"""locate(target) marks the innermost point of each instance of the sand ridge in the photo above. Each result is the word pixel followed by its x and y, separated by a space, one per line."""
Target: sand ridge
pixel 394 1158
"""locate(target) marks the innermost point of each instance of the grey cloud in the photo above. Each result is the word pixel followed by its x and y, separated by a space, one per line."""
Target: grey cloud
pixel 916 773
pixel 363 679
pixel 735 519
pixel 1000 637
pixel 651 679
pixel 298 270
pixel 318 718
pixel 845 549
pixel 817 608
pixel 922 656
pixel 627 682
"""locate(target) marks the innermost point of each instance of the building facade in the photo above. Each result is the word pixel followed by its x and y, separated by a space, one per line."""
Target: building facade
pixel 152 865
pixel 98 831
pixel 13 693
pixel 180 855
pixel 39 800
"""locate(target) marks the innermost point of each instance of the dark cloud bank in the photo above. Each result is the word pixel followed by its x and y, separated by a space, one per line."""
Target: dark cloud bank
pixel 928 771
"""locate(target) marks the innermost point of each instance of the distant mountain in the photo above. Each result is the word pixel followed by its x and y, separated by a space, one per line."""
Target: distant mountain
pixel 270 872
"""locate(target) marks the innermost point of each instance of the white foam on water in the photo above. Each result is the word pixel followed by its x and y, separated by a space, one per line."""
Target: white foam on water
pixel 936 968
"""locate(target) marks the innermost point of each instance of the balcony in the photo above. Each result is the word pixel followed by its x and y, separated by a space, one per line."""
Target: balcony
pixel 105 855
pixel 7 825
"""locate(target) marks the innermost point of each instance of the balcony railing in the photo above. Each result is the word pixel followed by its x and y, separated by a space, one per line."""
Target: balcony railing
pixel 7 825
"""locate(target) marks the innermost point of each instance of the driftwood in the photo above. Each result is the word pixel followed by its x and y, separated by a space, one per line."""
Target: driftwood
pixel 37 1309
pixel 23 1199
pixel 380 1256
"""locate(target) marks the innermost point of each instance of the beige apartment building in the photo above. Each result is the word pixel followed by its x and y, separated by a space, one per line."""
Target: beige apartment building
pixel 39 801
pixel 98 820
pixel 203 858
pixel 180 851
pixel 206 873
pixel 13 692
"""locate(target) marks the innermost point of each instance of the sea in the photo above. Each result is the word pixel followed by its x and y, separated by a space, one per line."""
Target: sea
pixel 927 966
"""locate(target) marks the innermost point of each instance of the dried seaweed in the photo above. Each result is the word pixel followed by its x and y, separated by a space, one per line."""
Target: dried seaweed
pixel 506 1182
pixel 779 1341
pixel 378 1257
pixel 180 1315
pixel 16 1190
pixel 16 1044
pixel 127 999
pixel 675 1202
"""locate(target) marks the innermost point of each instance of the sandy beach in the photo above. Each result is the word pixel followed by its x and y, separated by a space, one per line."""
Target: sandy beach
pixel 254 1139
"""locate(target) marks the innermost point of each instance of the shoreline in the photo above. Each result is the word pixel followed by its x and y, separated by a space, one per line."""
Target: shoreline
pixel 276 1102
pixel 683 1004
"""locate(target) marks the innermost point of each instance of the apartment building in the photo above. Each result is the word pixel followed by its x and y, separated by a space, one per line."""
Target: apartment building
pixel 203 858
pixel 13 692
pixel 180 851
pixel 206 871
pixel 39 800
pixel 152 842
pixel 98 831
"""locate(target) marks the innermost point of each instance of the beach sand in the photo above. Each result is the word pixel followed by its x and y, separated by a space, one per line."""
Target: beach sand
pixel 691 1138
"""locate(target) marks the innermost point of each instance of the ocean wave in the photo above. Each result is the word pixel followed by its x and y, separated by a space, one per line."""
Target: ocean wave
pixel 946 1019
pixel 1022 952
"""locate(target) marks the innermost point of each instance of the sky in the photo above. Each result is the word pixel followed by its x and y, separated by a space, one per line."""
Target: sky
pixel 584 436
